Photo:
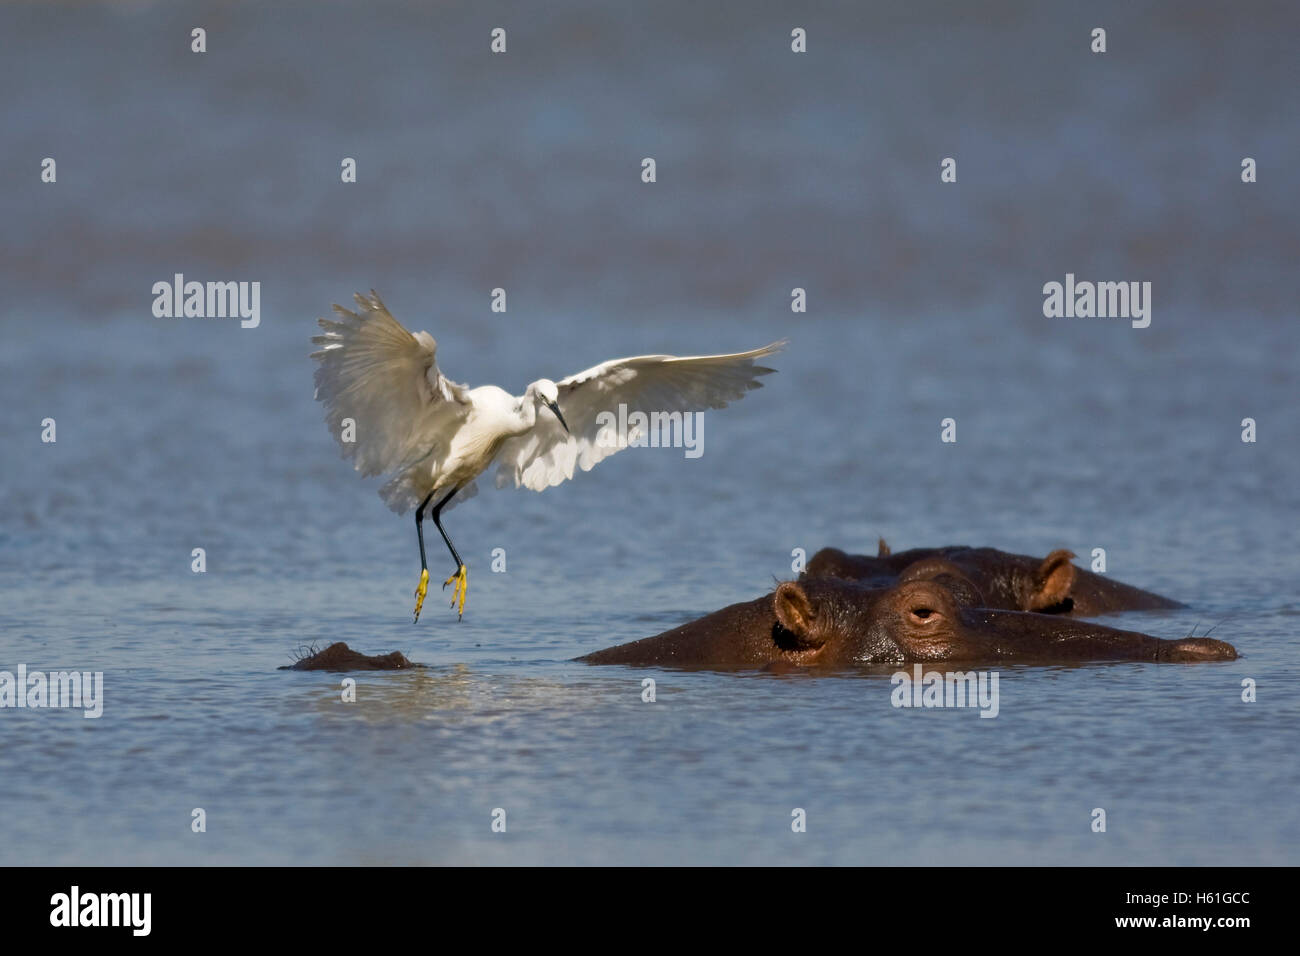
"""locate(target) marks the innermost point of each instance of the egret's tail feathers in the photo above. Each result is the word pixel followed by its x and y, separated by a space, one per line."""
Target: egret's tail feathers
pixel 400 494
pixel 407 489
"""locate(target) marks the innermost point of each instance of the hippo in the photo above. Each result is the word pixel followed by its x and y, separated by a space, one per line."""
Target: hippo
pixel 1012 582
pixel 826 622
pixel 339 657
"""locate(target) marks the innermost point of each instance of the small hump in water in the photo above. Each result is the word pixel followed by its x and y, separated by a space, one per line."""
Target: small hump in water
pixel 340 657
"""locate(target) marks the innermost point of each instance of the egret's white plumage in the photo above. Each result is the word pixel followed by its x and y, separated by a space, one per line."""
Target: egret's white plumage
pixel 433 436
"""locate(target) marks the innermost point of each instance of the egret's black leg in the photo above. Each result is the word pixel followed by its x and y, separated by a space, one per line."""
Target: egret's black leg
pixel 437 511
pixel 419 527
pixel 423 587
pixel 461 575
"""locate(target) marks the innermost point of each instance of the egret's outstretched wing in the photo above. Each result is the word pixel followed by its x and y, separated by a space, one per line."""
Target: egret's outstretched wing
pixel 386 380
pixel 650 384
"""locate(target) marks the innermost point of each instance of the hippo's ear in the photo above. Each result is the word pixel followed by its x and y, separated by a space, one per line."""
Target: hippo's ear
pixel 882 549
pixel 795 613
pixel 1053 581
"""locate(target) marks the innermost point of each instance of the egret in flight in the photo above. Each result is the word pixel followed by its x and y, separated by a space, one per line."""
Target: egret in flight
pixel 394 413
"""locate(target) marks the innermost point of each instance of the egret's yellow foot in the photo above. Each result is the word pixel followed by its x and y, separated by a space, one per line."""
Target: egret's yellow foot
pixel 421 591
pixel 461 577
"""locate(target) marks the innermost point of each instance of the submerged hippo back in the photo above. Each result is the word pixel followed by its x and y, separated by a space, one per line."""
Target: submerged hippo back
pixel 741 635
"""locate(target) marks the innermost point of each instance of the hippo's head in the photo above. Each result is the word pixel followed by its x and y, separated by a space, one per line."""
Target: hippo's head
pixel 934 613
pixel 833 623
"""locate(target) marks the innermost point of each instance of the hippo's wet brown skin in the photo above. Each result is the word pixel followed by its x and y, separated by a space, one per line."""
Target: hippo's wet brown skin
pixel 340 657
pixel 831 623
pixel 1013 582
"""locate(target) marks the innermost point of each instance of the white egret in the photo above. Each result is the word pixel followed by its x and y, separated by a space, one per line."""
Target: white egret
pixel 433 437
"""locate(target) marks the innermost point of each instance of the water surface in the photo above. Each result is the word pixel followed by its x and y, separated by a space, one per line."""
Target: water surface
pixel 775 171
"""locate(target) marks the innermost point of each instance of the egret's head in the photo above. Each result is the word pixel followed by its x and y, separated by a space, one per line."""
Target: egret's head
pixel 544 392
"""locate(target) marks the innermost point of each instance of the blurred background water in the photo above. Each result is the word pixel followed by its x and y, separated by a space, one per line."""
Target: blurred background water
pixel 522 171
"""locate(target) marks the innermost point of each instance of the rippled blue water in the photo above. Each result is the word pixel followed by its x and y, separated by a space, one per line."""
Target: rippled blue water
pixel 775 171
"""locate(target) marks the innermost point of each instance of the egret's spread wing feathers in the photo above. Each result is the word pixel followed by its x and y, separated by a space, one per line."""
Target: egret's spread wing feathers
pixel 546 455
pixel 375 372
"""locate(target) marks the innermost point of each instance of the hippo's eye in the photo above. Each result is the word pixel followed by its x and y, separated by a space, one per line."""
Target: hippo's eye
pixel 921 612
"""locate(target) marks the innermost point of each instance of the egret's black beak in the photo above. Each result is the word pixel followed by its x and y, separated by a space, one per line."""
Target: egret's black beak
pixel 555 407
